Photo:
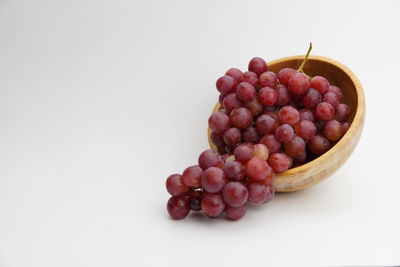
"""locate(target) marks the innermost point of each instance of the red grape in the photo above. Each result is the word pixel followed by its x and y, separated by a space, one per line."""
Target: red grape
pixel 283 95
pixel 271 142
pixel 226 84
pixel 235 194
pixel 213 179
pixel 259 193
pixel 345 127
pixel 243 153
pixel 279 162
pixel 342 112
pixel 305 129
pixel 257 169
pixel 175 186
pixel 217 139
pixel 267 78
pixel 267 96
pixel 284 76
pixel 269 109
pixel 241 118
pixel 195 200
pixel 249 77
pixel 306 114
pixel 219 122
pixel 284 133
pixel 266 124
pixel 235 73
pixel 299 83
pixel 261 151
pixel 295 146
pixel 234 170
pixel 212 205
pixel 333 130
pixel 231 102
pixel 235 214
pixel 311 98
pixel 324 111
pixel 232 136
pixel 251 135
pixel 337 91
pixel 191 176
pixel 178 207
pixel 258 65
pixel 331 98
pixel 318 144
pixel 245 92
pixel 289 115
pixel 301 158
pixel 254 106
pixel 209 158
pixel 320 83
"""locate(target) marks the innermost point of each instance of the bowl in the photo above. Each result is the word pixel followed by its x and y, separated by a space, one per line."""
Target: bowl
pixel 325 165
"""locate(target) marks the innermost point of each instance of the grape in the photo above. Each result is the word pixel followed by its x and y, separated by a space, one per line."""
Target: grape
pixel 259 193
pixel 306 114
pixel 269 109
pixel 331 98
pixel 284 76
pixel 195 200
pixel 324 111
pixel 258 65
pixel 266 124
pixel 333 130
pixel 226 84
pixel 235 73
pixel 235 214
pixel 227 157
pixel 299 83
pixel 342 112
pixel 209 158
pixel 320 83
pixel 235 194
pixel 345 127
pixel 245 92
pixel 337 91
pixel 241 118
pixel 273 115
pixel 213 179
pixel 229 149
pixel 271 142
pixel 249 77
pixel 295 147
pixel 301 158
pixel 221 98
pixel 219 122
pixel 289 115
pixel 217 139
pixel 284 133
pixel 175 186
pixel 279 162
pixel 270 177
pixel 250 135
pixel 254 106
pixel 267 96
pixel 212 205
pixel 243 153
pixel 311 98
pixel 318 144
pixel 257 169
pixel 267 79
pixel 231 102
pixel 283 95
pixel 234 170
pixel 305 129
pixel 261 151
pixel 178 207
pixel 191 176
pixel 232 136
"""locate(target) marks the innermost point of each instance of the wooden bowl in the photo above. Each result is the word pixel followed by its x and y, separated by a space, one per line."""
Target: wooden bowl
pixel 322 167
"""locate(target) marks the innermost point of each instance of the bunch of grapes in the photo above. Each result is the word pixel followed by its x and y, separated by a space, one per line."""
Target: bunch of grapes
pixel 267 124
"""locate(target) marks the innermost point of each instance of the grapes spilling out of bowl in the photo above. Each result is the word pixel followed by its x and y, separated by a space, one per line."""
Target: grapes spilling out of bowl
pixel 267 123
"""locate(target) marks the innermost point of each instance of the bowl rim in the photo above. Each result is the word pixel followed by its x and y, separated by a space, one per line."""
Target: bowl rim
pixel 358 117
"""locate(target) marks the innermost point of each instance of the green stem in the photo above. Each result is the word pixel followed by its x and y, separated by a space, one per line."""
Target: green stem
pixel 305 59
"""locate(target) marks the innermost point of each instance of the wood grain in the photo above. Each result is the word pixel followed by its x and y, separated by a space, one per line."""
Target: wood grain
pixel 321 168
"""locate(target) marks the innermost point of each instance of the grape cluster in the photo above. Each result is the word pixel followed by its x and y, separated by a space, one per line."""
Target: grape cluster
pixel 267 124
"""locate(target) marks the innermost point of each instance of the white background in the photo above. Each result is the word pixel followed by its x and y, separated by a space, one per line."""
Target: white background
pixel 101 100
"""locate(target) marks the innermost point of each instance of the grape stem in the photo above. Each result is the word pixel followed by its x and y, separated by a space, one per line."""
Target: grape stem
pixel 305 59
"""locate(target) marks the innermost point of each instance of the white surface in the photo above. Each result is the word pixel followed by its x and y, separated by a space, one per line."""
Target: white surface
pixel 100 101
